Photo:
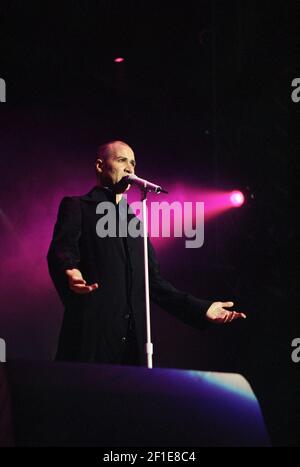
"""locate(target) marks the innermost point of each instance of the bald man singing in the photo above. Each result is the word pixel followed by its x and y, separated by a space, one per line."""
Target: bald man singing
pixel 100 278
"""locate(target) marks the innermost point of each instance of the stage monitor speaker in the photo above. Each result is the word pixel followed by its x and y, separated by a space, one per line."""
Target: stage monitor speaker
pixel 72 404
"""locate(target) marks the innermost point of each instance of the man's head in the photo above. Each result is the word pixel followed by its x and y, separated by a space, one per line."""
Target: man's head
pixel 114 161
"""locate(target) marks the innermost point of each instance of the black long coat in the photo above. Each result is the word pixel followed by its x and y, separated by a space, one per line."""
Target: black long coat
pixel 95 324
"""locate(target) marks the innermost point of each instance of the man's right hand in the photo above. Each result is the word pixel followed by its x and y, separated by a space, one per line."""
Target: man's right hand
pixel 77 284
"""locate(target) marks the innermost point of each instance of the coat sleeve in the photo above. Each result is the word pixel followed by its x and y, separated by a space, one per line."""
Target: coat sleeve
pixel 64 248
pixel 184 306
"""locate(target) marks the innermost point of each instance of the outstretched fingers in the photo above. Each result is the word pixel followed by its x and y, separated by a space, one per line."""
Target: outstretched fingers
pixel 79 286
pixel 233 315
pixel 226 304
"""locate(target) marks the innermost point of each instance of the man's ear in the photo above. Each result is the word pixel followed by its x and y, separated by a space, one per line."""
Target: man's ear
pixel 99 165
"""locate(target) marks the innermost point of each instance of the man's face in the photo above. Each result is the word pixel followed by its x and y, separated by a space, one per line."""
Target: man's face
pixel 117 164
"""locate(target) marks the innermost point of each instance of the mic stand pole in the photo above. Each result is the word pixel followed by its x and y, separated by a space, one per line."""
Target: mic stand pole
pixel 148 345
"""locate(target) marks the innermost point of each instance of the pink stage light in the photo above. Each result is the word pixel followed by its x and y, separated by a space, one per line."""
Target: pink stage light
pixel 237 198
pixel 216 203
pixel 119 60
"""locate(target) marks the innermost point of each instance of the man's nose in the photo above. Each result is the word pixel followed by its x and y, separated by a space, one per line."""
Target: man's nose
pixel 129 169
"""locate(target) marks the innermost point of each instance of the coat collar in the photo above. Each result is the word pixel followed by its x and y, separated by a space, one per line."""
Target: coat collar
pixel 99 194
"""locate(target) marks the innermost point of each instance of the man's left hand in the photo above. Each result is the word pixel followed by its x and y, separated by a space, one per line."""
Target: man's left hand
pixel 217 313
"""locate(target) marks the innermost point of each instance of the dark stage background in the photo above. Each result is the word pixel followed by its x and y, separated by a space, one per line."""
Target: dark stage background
pixel 203 97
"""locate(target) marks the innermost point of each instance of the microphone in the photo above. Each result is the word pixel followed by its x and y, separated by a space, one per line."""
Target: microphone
pixel 144 185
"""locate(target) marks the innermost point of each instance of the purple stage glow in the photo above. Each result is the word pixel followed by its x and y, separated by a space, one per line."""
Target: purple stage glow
pixel 179 198
pixel 27 237
pixel 119 60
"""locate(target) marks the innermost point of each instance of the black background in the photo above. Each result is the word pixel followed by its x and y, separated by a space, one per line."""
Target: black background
pixel 203 97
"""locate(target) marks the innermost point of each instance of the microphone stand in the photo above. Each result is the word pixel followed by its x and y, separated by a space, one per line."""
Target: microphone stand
pixel 148 345
pixel 144 190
